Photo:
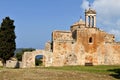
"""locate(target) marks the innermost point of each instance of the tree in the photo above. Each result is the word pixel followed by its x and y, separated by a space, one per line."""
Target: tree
pixel 7 39
pixel 20 53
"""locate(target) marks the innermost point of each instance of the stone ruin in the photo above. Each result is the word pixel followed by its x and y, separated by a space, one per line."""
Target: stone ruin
pixel 83 44
pixel 28 59
pixel 1 63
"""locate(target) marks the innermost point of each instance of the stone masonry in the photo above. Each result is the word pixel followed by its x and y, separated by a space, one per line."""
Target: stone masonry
pixel 28 59
pixel 1 63
pixel 83 44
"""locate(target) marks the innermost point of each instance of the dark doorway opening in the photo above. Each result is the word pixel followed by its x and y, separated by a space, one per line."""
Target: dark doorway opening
pixel 39 60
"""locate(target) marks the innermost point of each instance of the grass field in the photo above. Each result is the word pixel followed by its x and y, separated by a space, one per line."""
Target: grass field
pixel 62 73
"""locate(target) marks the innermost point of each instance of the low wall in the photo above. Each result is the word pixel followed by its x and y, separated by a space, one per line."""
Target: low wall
pixel 1 63
pixel 12 64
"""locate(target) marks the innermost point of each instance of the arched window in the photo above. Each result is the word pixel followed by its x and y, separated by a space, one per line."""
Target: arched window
pixel 90 40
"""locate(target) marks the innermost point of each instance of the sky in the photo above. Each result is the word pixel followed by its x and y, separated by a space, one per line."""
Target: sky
pixel 35 20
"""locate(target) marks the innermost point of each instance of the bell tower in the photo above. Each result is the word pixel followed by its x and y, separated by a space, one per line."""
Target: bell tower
pixel 90 18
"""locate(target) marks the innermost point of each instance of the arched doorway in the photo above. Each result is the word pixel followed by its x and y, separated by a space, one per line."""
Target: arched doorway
pixel 28 59
pixel 39 60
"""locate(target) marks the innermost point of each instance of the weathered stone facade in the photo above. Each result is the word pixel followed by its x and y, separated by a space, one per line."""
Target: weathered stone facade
pixel 1 64
pixel 12 63
pixel 83 44
pixel 28 59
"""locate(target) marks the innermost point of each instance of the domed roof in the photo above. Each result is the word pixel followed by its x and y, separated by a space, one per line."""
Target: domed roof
pixel 80 22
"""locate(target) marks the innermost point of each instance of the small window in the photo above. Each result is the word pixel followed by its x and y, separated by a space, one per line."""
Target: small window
pixel 72 42
pixel 90 40
pixel 70 55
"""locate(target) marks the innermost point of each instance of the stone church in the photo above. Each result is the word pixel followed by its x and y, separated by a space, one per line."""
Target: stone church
pixel 83 44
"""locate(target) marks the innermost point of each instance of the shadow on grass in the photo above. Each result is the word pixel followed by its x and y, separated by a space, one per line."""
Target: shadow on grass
pixel 116 73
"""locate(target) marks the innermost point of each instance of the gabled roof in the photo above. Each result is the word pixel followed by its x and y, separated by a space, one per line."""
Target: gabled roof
pixel 90 11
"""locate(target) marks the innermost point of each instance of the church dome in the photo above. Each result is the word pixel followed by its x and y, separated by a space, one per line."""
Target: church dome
pixel 80 22
pixel 77 25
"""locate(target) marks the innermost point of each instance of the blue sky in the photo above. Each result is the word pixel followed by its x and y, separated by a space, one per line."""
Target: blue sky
pixel 36 19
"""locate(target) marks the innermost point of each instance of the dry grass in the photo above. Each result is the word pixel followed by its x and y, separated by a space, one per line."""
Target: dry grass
pixel 53 74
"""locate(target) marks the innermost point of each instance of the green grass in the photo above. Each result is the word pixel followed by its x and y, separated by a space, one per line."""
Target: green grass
pixel 1 67
pixel 62 73
pixel 93 69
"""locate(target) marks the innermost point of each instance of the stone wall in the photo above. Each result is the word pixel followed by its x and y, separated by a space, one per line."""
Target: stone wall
pixel 84 46
pixel 91 46
pixel 61 51
pixel 109 38
pixel 12 64
pixel 62 35
pixel 1 63
pixel 48 46
pixel 28 59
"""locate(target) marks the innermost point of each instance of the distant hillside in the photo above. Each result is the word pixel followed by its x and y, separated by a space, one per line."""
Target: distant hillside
pixel 20 49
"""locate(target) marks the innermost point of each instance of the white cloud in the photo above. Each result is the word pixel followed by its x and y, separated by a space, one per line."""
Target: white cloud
pixel 107 8
pixel 85 4
pixel 108 15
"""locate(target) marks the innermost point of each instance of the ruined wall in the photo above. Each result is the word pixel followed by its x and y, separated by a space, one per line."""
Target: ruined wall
pixel 88 40
pixel 48 46
pixel 109 54
pixel 91 38
pixel 12 64
pixel 28 59
pixel 1 64
pixel 109 38
pixel 63 53
pixel 63 49
pixel 98 47
pixel 90 45
pixel 83 44
pixel 62 36
pixel 115 56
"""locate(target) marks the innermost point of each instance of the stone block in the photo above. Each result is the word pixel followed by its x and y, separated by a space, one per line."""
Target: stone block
pixel 12 64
